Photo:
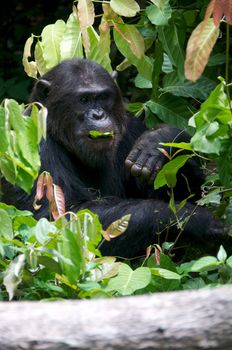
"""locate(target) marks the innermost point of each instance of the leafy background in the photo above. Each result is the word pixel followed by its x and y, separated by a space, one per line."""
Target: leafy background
pixel 58 258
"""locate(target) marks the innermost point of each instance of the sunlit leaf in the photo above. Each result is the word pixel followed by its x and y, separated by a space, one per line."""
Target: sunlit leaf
pixel 133 38
pixel 199 47
pixel 29 66
pixel 118 227
pixel 159 13
pixel 127 8
pixel 71 44
pixel 39 58
pixel 128 281
pixel 170 170
pixel 52 35
pixel 13 275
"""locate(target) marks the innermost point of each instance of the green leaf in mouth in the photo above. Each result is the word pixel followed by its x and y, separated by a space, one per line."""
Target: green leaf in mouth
pixel 95 134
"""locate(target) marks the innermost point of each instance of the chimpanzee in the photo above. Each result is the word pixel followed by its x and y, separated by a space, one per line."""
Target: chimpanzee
pixel 112 174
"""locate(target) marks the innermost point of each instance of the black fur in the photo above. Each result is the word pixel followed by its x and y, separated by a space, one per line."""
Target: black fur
pixel 81 96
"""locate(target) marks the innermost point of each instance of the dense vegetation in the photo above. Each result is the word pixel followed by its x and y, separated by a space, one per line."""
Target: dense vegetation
pixel 173 58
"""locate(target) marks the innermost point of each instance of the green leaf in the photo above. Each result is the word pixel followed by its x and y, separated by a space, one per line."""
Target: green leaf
pixel 169 275
pixel 6 229
pixel 199 90
pixel 159 13
pixel 4 141
pixel 127 8
pixel 99 48
pixel 170 169
pixel 142 83
pixel 43 229
pixel 172 37
pixel 132 37
pixel 69 247
pixel 128 281
pixel 95 134
pixel 206 263
pixel 171 110
pixel 52 35
pixel 13 275
pixel 222 255
pixel 182 145
pixel 29 66
pixel 71 43
pixel 40 62
pixel 123 44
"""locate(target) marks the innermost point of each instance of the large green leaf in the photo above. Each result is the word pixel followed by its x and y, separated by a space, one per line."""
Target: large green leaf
pixel 99 48
pixel 71 43
pixel 198 90
pixel 128 281
pixel 143 64
pixel 171 110
pixel 167 175
pixel 172 37
pixel 52 35
pixel 127 8
pixel 159 13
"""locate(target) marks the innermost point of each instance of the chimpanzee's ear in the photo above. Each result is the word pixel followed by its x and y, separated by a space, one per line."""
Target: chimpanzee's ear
pixel 114 74
pixel 41 89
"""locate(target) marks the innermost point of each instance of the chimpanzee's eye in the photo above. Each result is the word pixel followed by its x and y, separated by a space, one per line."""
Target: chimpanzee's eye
pixel 84 99
pixel 103 96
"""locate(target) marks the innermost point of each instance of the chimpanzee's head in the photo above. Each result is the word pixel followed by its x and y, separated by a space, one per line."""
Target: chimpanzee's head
pixel 85 109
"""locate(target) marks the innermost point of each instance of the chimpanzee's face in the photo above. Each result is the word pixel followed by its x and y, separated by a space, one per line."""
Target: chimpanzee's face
pixel 85 110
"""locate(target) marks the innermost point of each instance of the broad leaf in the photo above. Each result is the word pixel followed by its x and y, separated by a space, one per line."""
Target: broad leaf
pixel 169 171
pixel 127 8
pixel 128 281
pixel 52 35
pixel 159 13
pixel 12 276
pixel 171 110
pixel 71 44
pixel 200 45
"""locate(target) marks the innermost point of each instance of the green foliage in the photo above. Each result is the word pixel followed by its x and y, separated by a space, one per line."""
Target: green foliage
pixel 60 259
pixel 53 260
pixel 20 137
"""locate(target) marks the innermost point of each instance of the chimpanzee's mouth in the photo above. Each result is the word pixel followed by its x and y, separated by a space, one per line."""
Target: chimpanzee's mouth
pixel 96 135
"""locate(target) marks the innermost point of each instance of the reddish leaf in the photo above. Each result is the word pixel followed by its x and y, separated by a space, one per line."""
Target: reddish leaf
pixel 227 10
pixel 49 187
pixel 209 10
pixel 217 12
pixel 157 256
pixel 148 251
pixel 39 191
pixel 58 202
pixel 200 45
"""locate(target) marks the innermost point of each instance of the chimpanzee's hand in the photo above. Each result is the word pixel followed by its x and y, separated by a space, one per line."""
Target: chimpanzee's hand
pixel 145 158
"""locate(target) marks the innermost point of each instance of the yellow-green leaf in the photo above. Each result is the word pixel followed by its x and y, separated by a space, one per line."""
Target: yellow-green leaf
pixel 52 35
pixel 124 8
pixel 200 45
pixel 71 44
pixel 131 35
pixel 29 66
